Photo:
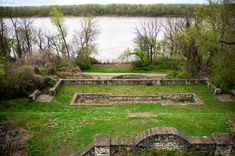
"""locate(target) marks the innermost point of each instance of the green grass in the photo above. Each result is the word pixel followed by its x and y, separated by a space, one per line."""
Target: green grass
pixel 54 127
pixel 119 68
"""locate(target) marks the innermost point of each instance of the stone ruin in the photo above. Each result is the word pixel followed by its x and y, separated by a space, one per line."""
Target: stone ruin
pixel 161 138
pixel 108 99
pixel 210 85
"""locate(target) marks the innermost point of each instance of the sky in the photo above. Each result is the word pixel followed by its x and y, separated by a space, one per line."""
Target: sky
pixel 71 2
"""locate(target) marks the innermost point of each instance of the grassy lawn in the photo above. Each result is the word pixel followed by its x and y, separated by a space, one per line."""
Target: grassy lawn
pixel 56 127
pixel 119 68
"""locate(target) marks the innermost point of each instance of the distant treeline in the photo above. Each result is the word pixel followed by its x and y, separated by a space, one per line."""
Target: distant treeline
pixel 99 10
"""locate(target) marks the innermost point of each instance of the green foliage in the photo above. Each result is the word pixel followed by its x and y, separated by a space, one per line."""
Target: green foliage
pixel 161 63
pixel 50 81
pixel 83 65
pixel 111 68
pixel 1 70
pixel 57 17
pixel 214 33
pixel 168 63
pixel 18 82
pixel 179 75
pixel 42 70
pixel 223 74
pixel 145 67
pixel 111 9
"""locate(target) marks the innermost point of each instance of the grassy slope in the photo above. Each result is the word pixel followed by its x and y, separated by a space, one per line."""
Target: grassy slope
pixel 119 68
pixel 55 127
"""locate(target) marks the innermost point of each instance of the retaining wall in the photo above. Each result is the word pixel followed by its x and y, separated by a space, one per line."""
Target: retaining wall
pixel 215 89
pixel 162 138
pixel 127 82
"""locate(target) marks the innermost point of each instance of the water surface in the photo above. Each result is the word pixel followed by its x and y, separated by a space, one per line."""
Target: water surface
pixel 115 33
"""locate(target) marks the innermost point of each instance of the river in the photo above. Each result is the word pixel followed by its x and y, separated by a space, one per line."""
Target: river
pixel 115 33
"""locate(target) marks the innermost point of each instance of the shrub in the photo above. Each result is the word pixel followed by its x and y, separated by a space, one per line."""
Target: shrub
pixel 17 82
pixel 50 81
pixel 179 75
pixel 223 74
pixel 83 65
pixel 1 70
pixel 38 81
pixel 168 63
pixel 162 63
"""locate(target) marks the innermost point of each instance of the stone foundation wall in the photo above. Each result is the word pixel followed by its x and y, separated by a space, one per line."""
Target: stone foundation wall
pixel 127 82
pixel 215 89
pixel 135 81
pixel 56 87
pixel 163 138
pixel 186 98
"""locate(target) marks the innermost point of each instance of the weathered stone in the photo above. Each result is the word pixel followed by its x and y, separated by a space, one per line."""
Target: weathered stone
pixel 215 89
pixel 102 140
pixel 102 151
pixel 126 81
pixel 44 98
pixel 161 138
pixel 34 95
pixel 106 98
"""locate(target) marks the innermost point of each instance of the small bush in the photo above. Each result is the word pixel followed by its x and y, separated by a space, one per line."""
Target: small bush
pixel 83 65
pixel 162 63
pixel 223 74
pixel 38 81
pixel 17 82
pixel 1 70
pixel 179 75
pixel 50 81
pixel 138 65
pixel 168 63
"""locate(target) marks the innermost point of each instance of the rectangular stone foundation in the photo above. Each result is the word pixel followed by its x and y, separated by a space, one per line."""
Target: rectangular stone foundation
pixel 109 99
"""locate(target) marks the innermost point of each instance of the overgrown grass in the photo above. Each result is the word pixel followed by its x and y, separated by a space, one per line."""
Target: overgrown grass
pixel 56 127
pixel 120 68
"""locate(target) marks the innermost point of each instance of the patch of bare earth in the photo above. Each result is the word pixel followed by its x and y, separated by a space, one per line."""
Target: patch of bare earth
pixel 231 124
pixel 13 142
pixel 63 150
pixel 225 98
pixel 141 115
pixel 44 98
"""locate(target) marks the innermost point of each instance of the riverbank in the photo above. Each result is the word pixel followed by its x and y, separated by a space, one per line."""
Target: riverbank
pixel 154 10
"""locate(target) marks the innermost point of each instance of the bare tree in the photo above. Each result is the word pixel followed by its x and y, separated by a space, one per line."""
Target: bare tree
pixel 53 42
pixel 185 44
pixel 146 39
pixel 27 33
pixel 4 43
pixel 41 39
pixel 85 38
pixel 173 26
pixel 57 20
pixel 17 47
